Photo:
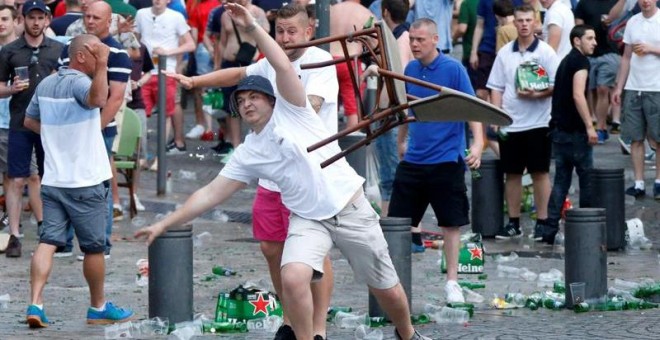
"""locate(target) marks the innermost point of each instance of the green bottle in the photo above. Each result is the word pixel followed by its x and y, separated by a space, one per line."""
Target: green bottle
pixel 207 101
pixel 420 319
pixel 468 307
pixel 218 99
pixel 559 287
pixel 482 276
pixel 476 175
pixel 646 291
pixel 377 321
pixel 369 23
pixel 554 304
pixel 581 307
pixel 224 327
pixel 221 271
pixel 613 304
pixel 471 284
pixel 332 311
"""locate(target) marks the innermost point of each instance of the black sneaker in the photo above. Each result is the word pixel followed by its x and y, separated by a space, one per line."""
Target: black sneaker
pixel 223 148
pixel 635 192
pixel 549 238
pixel 509 231
pixel 615 129
pixel 285 332
pixel 538 232
pixel 13 247
pixel 175 149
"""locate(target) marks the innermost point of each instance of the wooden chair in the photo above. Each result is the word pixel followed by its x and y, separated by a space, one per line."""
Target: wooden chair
pixel 128 154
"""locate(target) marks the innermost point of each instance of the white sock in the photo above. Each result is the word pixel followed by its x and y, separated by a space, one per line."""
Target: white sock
pixel 657 181
pixel 639 185
pixel 41 307
pixel 117 206
pixel 100 309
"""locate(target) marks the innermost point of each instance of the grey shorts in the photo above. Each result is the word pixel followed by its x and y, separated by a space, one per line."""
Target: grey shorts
pixel 641 115
pixel 357 234
pixel 84 208
pixel 4 147
pixel 603 70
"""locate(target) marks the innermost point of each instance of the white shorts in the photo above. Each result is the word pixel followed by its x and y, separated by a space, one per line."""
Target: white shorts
pixel 355 231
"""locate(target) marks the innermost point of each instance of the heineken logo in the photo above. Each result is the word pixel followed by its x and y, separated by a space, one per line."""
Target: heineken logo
pixel 476 253
pixel 540 72
pixel 260 305
pixel 469 268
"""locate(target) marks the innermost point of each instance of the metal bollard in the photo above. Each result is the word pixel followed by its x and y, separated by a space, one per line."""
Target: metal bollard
pixel 161 177
pixel 606 190
pixel 171 275
pixel 358 158
pixel 585 252
pixel 398 237
pixel 488 199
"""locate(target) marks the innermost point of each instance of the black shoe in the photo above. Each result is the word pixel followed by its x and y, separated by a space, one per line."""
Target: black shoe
pixel 223 148
pixel 170 144
pixel 549 238
pixel 509 231
pixel 538 232
pixel 176 150
pixel 13 247
pixel 637 193
pixel 285 332
pixel 318 337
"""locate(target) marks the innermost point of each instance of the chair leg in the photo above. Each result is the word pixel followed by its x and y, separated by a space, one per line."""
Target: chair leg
pixel 130 179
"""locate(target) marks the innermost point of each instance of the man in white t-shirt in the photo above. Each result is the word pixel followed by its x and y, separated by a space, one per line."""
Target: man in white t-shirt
pixel 527 145
pixel 270 216
pixel 557 25
pixel 639 77
pixel 165 33
pixel 327 204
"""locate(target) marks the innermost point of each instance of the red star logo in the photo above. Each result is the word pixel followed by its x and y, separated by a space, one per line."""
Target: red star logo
pixel 540 72
pixel 260 305
pixel 476 253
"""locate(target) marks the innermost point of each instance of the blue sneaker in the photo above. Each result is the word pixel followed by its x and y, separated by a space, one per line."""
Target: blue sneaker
pixel 417 248
pixel 36 318
pixel 602 136
pixel 110 315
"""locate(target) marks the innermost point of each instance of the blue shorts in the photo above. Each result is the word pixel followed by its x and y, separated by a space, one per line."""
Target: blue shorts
pixel 19 154
pixel 86 209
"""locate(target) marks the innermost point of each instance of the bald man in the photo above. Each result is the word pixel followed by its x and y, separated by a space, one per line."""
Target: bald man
pixel 97 19
pixel 65 110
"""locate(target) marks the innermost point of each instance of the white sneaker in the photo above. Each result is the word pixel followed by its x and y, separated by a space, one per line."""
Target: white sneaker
pixel 195 132
pixel 60 254
pixel 454 292
pixel 138 204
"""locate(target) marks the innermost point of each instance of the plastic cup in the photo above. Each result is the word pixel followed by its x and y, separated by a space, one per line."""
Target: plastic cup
pixel 22 73
pixel 577 292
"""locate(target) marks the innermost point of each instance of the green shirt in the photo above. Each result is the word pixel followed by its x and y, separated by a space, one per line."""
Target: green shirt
pixel 468 15
pixel 122 8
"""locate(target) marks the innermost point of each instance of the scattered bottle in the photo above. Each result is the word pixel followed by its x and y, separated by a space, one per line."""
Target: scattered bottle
pixel 559 287
pixel 5 299
pixel 142 276
pixel 516 299
pixel 468 307
pixel 451 315
pixel 420 319
pixel 482 277
pixel 476 175
pixel 553 301
pixel 472 296
pixel 499 258
pixel 332 311
pixel 350 320
pixel 224 327
pixel 363 332
pixel 471 284
pixel 581 307
pixel 222 271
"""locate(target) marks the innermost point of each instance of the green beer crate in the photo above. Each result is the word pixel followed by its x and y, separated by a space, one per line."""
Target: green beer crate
pixel 532 76
pixel 246 304
pixel 470 255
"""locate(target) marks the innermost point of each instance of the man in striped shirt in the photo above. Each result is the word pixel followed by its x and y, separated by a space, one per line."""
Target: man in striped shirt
pixel 97 22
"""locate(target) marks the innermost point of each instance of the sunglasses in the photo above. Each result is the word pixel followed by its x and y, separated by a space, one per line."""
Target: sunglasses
pixel 34 59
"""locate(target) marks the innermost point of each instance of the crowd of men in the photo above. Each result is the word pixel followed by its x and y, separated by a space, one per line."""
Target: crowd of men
pixel 555 66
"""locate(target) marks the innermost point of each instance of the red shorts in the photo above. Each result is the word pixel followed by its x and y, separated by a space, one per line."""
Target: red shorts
pixel 270 218
pixel 346 89
pixel 150 95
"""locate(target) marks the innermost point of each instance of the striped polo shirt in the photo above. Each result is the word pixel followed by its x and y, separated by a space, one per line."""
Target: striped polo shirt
pixel 74 149
pixel 119 69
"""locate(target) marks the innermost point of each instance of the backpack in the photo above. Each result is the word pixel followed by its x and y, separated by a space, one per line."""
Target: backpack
pixel 616 29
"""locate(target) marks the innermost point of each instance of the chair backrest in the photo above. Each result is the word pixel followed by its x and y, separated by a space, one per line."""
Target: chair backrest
pixel 130 134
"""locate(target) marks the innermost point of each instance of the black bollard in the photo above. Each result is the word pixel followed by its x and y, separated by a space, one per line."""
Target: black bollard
pixel 488 199
pixel 171 275
pixel 398 237
pixel 606 190
pixel 358 158
pixel 585 252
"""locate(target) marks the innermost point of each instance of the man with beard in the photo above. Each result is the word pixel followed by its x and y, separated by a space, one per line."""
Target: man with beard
pixel 39 54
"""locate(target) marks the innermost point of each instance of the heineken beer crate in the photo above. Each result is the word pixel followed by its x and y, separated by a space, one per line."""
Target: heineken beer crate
pixel 243 304
pixel 470 255
pixel 532 76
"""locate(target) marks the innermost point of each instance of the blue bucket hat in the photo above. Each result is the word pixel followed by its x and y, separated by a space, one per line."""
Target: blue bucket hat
pixel 251 83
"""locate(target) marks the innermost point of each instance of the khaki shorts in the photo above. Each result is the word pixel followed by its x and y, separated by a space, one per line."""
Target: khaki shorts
pixel 357 234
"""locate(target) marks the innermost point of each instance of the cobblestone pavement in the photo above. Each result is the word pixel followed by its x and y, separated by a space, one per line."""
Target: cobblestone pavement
pixel 66 295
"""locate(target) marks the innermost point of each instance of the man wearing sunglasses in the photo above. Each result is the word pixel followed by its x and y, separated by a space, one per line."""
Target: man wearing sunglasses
pixel 39 54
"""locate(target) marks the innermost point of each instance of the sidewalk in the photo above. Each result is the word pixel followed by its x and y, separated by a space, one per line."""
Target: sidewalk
pixel 66 295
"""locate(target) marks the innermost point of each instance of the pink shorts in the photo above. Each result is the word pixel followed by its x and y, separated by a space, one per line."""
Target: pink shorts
pixel 270 218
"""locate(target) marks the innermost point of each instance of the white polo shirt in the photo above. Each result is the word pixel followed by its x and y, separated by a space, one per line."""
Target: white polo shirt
pixel 527 114
pixel 644 74
pixel 562 16
pixel 279 153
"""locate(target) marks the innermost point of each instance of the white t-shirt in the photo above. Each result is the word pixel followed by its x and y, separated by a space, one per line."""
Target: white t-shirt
pixel 644 74
pixel 320 82
pixel 161 31
pixel 279 153
pixel 527 114
pixel 562 16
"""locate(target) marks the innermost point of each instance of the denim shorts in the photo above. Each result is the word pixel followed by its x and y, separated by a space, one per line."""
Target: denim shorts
pixel 603 70
pixel 84 208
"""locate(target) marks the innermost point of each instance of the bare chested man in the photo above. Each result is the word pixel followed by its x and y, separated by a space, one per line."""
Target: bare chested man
pixel 346 17
pixel 229 46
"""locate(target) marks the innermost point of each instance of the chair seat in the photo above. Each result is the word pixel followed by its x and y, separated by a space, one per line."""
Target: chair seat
pixel 125 164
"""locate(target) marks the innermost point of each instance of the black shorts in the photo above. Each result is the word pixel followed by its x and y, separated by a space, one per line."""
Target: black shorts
pixel 441 185
pixel 486 61
pixel 526 150
pixel 227 91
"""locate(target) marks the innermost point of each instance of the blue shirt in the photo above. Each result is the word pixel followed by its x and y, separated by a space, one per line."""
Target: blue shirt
pixel 434 142
pixel 485 12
